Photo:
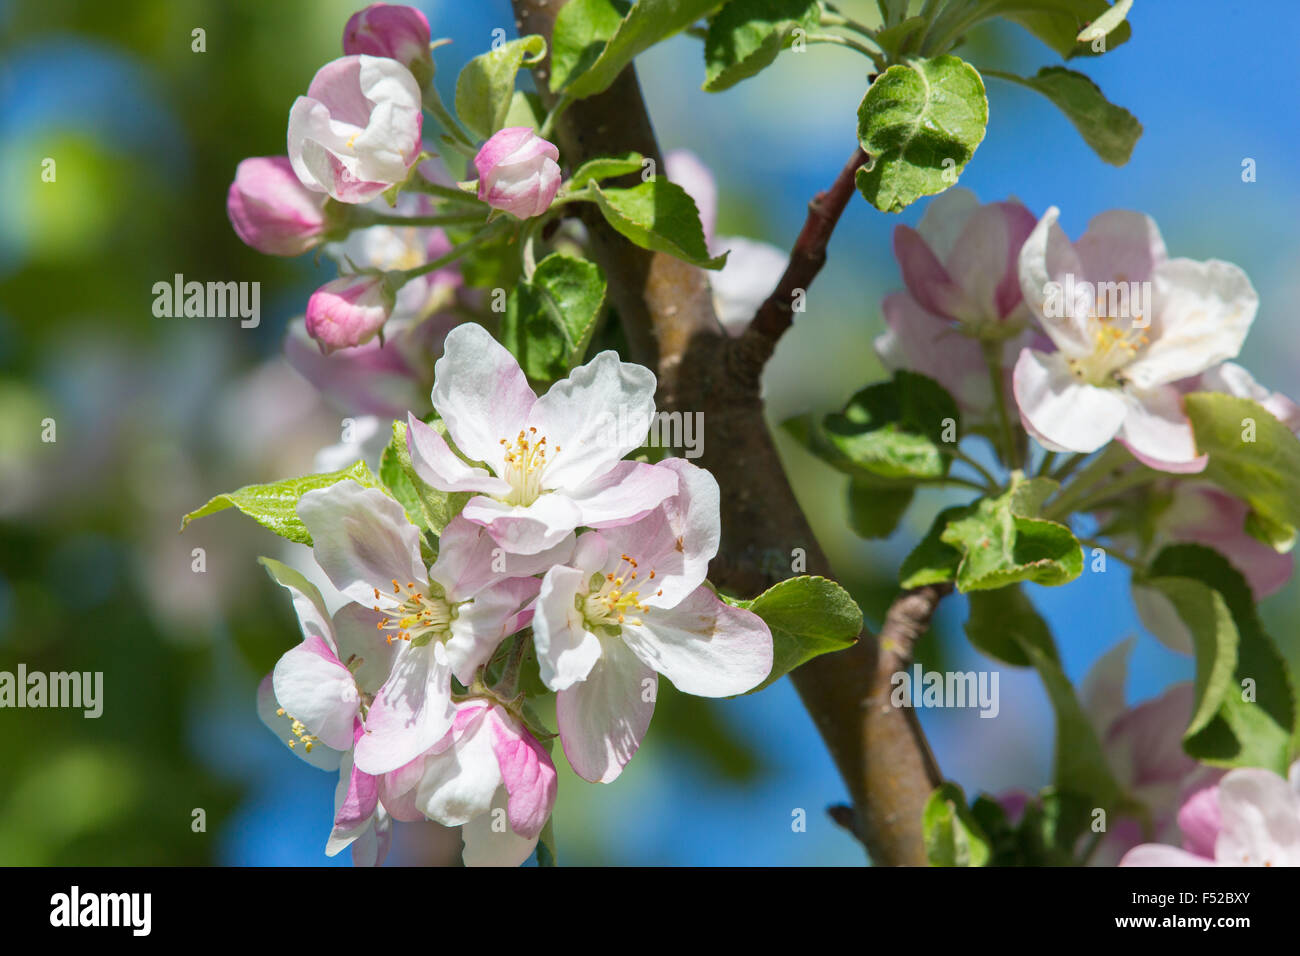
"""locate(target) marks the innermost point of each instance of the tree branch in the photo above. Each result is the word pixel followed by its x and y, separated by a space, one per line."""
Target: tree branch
pixel 808 256
pixel 667 312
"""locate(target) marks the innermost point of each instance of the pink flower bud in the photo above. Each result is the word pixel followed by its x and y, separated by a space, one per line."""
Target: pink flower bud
pixel 392 30
pixel 517 172
pixel 349 311
pixel 271 210
pixel 357 131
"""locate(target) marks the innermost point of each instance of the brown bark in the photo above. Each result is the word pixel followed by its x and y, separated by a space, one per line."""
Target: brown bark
pixel 667 311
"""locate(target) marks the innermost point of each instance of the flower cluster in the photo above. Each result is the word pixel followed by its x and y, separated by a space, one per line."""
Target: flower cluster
pixel 564 553
pixel 355 148
pixel 1095 345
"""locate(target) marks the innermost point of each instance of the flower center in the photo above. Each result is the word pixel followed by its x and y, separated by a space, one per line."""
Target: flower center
pixel 298 730
pixel 417 615
pixel 1114 345
pixel 525 460
pixel 613 597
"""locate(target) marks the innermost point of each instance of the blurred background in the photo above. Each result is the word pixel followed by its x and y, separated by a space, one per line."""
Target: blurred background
pixel 154 415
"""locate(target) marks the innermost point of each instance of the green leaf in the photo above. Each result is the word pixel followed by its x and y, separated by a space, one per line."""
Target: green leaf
pixel 1104 24
pixel 549 318
pixel 891 39
pixel 1253 456
pixel 582 28
pixel 658 215
pixel 526 109
pixel 605 167
pixel 746 36
pixel 1003 623
pixel 897 429
pixel 427 507
pixel 1280 537
pixel 485 88
pixel 1244 732
pixel 1061 23
pixel 1002 542
pixel 920 123
pixel 646 23
pixel 808 616
pixel 932 561
pixel 874 512
pixel 1215 639
pixel 953 837
pixel 1080 766
pixel 275 505
pixel 395 477
pixel 1110 130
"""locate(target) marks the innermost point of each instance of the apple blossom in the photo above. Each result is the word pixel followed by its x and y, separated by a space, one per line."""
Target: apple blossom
pixel 349 310
pixel 1113 376
pixel 393 30
pixel 1251 818
pixel 489 776
pixel 272 211
pixel 357 131
pixel 631 604
pixel 553 463
pixel 960 268
pixel 517 172
pixel 449 618
pixel 314 700
pixel 961 263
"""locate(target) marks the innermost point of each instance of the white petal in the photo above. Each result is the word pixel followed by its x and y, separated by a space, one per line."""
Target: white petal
pixel 361 539
pixel 469 559
pixel 603 718
pixel 749 276
pixel 314 687
pixel 677 540
pixel 1046 259
pixel 593 418
pixel 439 466
pixel 1062 413
pixel 628 491
pixel 489 841
pixel 1157 854
pixel 482 624
pixel 359 637
pixel 481 393
pixel 566 650
pixel 320 756
pixel 1203 312
pixel 411 712
pixel 459 783
pixel 1121 246
pixel 372 843
pixel 526 529
pixel 1261 820
pixel 945 218
pixel 703 645
pixel 1158 433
